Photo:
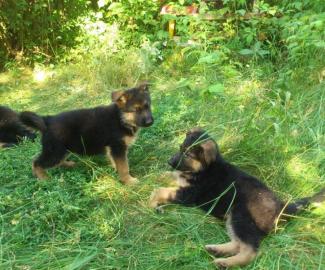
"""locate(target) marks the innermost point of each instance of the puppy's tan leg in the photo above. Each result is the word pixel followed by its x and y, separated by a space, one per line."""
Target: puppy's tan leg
pixel 67 164
pixel 39 172
pixel 162 196
pixel 245 255
pixel 180 178
pixel 122 168
pixel 230 248
pixel 109 156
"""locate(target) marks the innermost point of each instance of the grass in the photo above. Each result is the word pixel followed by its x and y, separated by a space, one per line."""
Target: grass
pixel 84 218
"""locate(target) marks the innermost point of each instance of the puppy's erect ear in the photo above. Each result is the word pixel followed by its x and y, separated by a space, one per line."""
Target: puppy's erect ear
pixel 120 97
pixel 195 129
pixel 144 86
pixel 116 95
pixel 210 151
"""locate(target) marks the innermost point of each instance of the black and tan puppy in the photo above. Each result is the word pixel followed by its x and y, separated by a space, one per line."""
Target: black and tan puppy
pixel 12 130
pixel 208 181
pixel 106 129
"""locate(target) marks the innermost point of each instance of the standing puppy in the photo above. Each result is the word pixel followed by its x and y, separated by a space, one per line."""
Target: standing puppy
pixel 208 181
pixel 105 129
pixel 12 129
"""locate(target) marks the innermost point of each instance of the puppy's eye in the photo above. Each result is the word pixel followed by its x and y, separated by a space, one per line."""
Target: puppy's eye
pixel 138 109
pixel 188 155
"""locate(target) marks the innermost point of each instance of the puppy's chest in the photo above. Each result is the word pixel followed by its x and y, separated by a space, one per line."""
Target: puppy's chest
pixel 129 140
pixel 3 122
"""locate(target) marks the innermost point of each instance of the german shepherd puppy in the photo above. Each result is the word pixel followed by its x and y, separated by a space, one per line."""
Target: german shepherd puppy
pixel 207 181
pixel 12 130
pixel 105 129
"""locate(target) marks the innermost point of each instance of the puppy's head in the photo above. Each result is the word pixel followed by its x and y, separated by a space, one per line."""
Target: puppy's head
pixel 196 153
pixel 135 105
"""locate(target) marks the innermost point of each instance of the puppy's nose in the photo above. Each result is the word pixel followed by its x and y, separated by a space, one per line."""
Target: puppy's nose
pixel 171 162
pixel 148 121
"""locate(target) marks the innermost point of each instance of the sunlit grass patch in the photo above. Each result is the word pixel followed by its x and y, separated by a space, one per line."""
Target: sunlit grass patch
pixel 303 171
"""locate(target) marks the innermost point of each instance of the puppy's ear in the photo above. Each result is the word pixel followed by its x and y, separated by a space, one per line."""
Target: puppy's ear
pixel 210 151
pixel 116 95
pixel 195 129
pixel 144 86
pixel 120 97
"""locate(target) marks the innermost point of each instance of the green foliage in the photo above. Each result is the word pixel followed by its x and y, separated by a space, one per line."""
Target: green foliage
pixel 136 17
pixel 304 36
pixel 269 30
pixel 39 28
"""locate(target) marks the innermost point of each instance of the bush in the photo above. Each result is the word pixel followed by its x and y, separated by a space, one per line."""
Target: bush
pixel 39 28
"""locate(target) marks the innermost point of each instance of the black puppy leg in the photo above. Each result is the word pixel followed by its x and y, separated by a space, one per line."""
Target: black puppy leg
pixel 53 153
pixel 8 136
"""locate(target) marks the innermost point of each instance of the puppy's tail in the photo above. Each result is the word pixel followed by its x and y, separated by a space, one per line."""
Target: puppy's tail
pixel 33 120
pixel 300 204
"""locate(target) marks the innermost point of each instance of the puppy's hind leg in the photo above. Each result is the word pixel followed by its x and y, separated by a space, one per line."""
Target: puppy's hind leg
pixel 52 155
pixel 230 248
pixel 109 157
pixel 38 171
pixel 245 255
pixel 244 242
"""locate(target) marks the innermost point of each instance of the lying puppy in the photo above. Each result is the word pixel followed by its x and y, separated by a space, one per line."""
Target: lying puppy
pixel 12 130
pixel 106 129
pixel 208 181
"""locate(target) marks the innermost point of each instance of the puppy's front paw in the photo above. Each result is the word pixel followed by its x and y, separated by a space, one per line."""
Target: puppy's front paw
pixel 68 164
pixel 154 198
pixel 221 263
pixel 169 175
pixel 129 180
pixel 212 249
pixel 162 196
pixel 39 173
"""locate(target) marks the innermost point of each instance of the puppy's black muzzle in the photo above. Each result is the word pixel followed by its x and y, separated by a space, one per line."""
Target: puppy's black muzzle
pixel 147 122
pixel 174 161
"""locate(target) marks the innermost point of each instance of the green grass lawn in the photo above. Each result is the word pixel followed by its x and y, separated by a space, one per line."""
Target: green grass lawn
pixel 84 218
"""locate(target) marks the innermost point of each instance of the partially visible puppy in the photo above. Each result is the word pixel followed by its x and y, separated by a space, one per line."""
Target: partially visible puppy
pixel 207 181
pixel 12 130
pixel 106 129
